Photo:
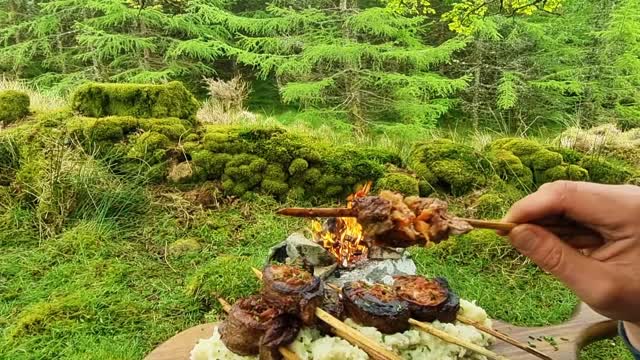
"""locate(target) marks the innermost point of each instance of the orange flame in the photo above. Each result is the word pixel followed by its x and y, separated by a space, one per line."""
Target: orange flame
pixel 345 241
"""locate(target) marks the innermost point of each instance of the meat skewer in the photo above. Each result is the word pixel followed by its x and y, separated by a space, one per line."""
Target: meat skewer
pixel 375 350
pixel 284 351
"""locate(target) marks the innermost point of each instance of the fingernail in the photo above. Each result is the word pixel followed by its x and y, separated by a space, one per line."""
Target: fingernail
pixel 524 238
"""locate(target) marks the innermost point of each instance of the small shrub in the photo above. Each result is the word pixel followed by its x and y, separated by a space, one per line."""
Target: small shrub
pixel 14 105
pixel 141 101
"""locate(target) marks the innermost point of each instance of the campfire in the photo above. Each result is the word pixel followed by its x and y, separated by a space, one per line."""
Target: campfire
pixel 343 237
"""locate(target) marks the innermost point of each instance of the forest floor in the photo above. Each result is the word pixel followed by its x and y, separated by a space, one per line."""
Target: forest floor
pixel 106 288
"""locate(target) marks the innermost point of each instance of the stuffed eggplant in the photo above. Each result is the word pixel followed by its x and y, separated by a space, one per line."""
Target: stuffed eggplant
pixel 375 305
pixel 428 299
pixel 295 291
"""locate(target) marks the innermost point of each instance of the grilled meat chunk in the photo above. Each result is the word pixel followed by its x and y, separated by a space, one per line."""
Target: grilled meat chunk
pixel 375 305
pixel 295 291
pixel 428 299
pixel 394 221
pixel 254 327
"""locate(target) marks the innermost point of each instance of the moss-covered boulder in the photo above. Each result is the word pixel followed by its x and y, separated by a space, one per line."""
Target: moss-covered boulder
pixel 403 183
pixel 447 166
pixel 605 172
pixel 14 105
pixel 139 100
pixel 150 147
pixel 563 172
pixel 496 199
pixel 531 154
pixel 283 163
pixel 510 168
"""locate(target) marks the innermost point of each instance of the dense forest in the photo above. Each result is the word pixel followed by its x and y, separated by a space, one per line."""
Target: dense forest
pixel 508 64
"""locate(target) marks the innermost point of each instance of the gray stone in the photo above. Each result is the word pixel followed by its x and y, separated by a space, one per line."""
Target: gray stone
pixel 296 247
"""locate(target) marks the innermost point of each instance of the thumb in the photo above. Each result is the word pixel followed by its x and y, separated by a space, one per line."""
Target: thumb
pixel 580 273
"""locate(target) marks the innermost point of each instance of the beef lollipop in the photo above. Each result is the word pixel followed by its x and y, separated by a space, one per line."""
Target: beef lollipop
pixel 375 305
pixel 292 289
pixel 428 299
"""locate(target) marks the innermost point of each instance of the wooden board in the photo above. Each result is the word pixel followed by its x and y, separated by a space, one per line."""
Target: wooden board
pixel 586 326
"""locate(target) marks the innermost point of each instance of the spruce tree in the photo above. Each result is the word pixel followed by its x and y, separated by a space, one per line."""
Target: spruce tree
pixel 365 63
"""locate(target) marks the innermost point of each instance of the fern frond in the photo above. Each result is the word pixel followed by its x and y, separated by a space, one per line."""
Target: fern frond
pixel 508 90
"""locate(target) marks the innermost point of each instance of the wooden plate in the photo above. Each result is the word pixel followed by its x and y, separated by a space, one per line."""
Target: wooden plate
pixel 585 327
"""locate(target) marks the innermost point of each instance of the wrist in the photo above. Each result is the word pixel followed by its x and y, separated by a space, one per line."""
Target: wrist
pixel 633 333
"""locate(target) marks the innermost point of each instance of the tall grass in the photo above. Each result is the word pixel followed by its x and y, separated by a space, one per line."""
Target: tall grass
pixel 41 100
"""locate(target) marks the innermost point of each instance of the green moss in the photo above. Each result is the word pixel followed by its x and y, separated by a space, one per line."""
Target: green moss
pixel 184 246
pixel 605 172
pixel 213 164
pixel 312 175
pixel 14 105
pixel 296 193
pixel 545 159
pixel 449 167
pixel 53 119
pixel 274 187
pixel 150 147
pixel 37 318
pixel 298 166
pixel 173 128
pixel 275 172
pixel 490 206
pixel 110 129
pixel 142 101
pixel 568 155
pixel 398 182
pixel 510 168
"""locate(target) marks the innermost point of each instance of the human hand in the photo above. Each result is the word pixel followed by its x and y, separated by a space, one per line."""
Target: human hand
pixel 606 277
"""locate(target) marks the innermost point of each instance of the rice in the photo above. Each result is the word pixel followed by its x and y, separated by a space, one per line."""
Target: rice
pixel 411 344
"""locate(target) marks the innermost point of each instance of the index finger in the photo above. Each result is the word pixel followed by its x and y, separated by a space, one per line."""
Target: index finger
pixel 581 201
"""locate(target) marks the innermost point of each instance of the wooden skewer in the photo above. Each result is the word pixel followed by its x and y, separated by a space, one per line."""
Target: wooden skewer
pixel 442 335
pixel 375 350
pixel 503 337
pixel 318 212
pixel 284 351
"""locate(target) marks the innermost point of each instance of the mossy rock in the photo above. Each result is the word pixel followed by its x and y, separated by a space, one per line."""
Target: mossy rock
pixel 150 147
pixel 399 182
pixel 449 167
pixel 568 155
pixel 298 166
pixel 14 105
pixel 605 172
pixel 213 164
pixel 490 205
pixel 532 154
pixel 510 168
pixel 50 313
pixel 139 100
pixel 173 128
pixel 563 172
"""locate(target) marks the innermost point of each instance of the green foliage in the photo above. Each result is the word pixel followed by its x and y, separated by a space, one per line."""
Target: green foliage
pixel 9 159
pixel 141 101
pixel 448 167
pixel 510 168
pixel 365 63
pixel 14 105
